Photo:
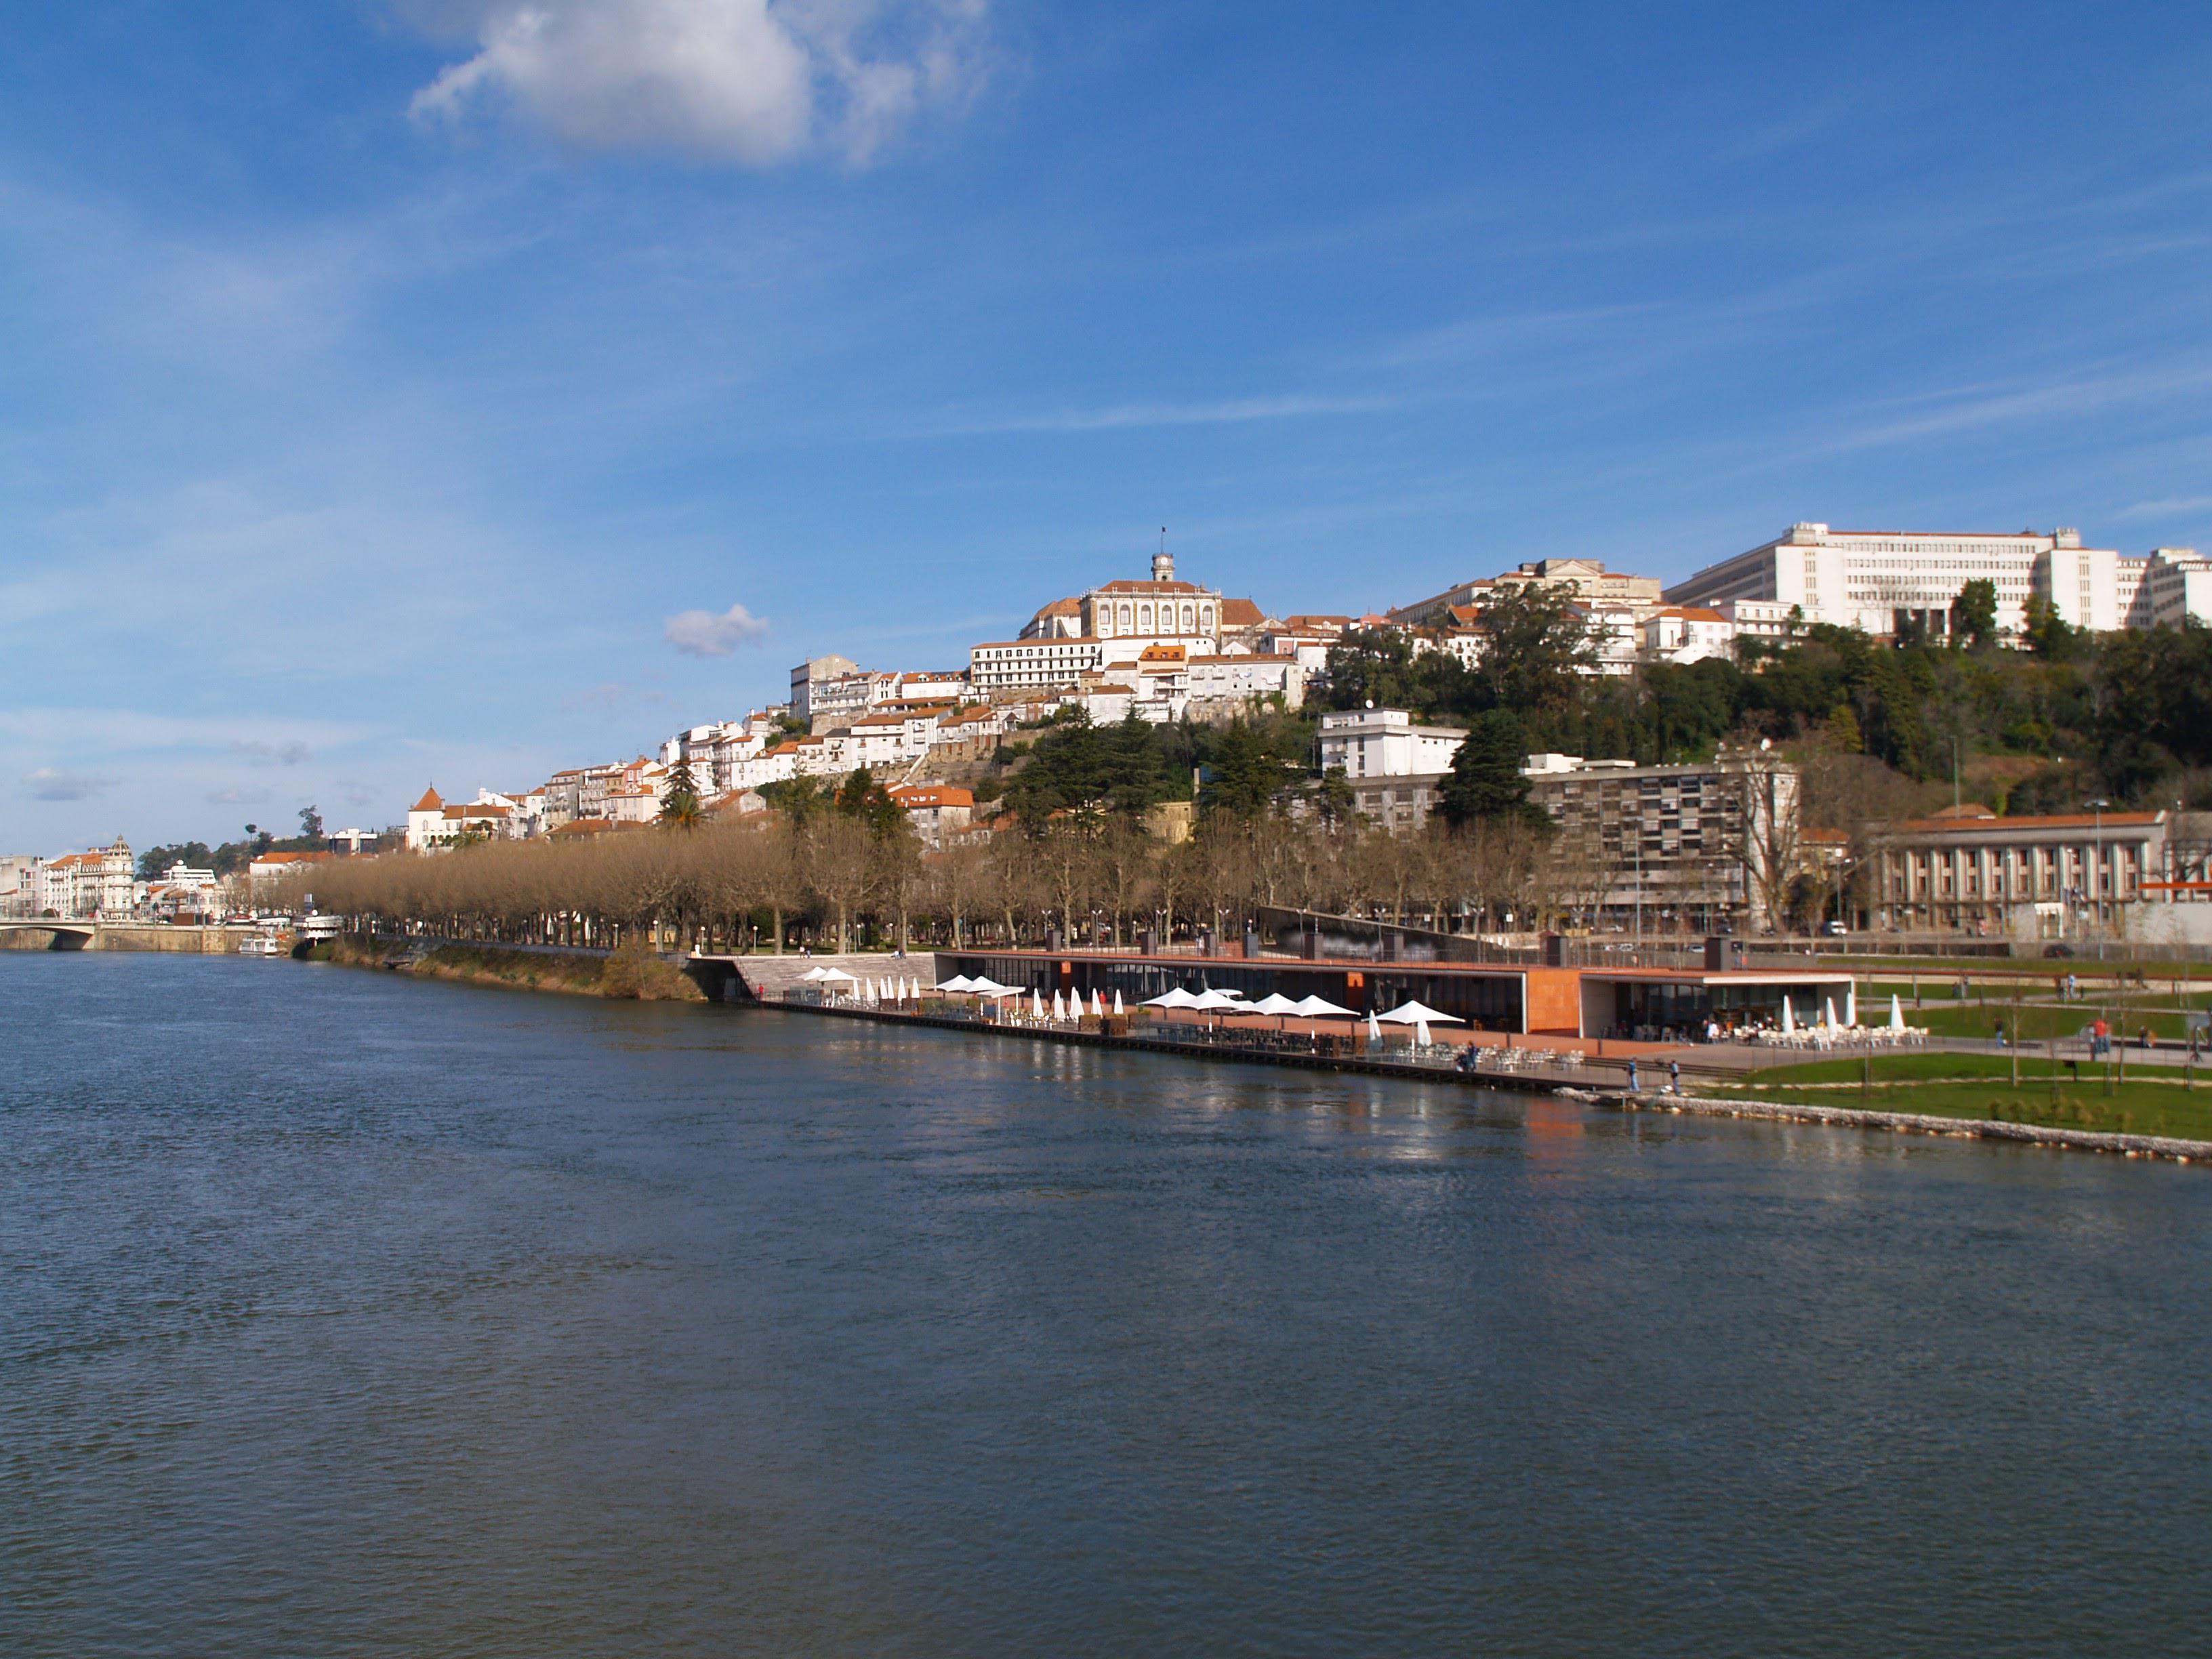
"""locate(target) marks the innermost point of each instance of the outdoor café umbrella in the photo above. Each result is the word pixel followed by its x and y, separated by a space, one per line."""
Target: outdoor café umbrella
pixel 1828 1014
pixel 1418 1013
pixel 1273 1003
pixel 1174 997
pixel 1374 1031
pixel 1896 1014
pixel 1117 1000
pixel 1059 1008
pixel 957 983
pixel 816 973
pixel 1852 1003
pixel 1098 1007
pixel 1789 1020
pixel 1208 1001
pixel 1318 1008
pixel 1036 1005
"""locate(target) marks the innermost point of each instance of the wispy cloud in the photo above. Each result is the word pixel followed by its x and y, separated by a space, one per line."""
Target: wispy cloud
pixel 706 634
pixel 1122 416
pixel 49 784
pixel 293 753
pixel 2167 507
pixel 237 797
pixel 1970 409
pixel 739 81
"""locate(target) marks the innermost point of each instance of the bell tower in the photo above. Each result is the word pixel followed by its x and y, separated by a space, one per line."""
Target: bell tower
pixel 1164 561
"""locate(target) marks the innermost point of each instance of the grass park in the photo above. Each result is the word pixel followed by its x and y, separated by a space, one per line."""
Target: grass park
pixel 2116 1096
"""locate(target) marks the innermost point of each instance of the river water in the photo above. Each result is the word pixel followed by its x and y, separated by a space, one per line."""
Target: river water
pixel 344 1314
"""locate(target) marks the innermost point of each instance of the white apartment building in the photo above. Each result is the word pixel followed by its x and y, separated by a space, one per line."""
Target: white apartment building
pixel 1384 743
pixel 812 672
pixel 1026 665
pixel 1686 633
pixel 2174 586
pixel 1589 577
pixel 19 883
pixel 1882 579
pixel 1240 678
pixel 83 885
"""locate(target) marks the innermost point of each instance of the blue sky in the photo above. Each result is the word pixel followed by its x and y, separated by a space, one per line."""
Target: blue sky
pixel 378 380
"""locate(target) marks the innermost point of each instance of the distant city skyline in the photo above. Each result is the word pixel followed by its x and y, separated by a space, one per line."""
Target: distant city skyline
pixel 399 395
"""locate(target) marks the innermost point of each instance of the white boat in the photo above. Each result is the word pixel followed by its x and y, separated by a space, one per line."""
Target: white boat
pixel 263 944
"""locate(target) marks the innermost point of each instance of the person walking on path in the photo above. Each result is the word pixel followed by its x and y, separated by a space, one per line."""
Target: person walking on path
pixel 1675 1077
pixel 1633 1086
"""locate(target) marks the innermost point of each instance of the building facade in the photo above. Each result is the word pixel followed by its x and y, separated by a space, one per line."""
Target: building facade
pixel 1384 743
pixel 2052 876
pixel 1885 581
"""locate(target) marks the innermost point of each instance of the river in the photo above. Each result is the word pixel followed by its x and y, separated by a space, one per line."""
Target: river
pixel 342 1314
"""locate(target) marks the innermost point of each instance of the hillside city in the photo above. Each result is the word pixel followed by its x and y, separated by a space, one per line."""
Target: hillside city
pixel 1662 731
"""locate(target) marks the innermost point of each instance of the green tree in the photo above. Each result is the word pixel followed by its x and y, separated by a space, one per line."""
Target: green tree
pixel 1974 613
pixel 681 807
pixel 311 823
pixel 1486 783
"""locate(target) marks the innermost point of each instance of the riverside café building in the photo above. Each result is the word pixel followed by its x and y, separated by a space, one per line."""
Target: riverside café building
pixel 1528 1001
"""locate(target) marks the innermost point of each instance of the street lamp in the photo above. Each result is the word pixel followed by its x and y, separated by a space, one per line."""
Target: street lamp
pixel 2096 875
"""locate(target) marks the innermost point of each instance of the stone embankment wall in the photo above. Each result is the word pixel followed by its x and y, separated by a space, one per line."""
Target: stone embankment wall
pixel 624 975
pixel 1968 1128
pixel 188 941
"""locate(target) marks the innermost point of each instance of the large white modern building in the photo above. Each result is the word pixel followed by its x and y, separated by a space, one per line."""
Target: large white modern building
pixel 1883 580
pixel 1384 743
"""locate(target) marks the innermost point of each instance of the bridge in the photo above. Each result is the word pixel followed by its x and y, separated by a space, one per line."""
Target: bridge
pixel 64 935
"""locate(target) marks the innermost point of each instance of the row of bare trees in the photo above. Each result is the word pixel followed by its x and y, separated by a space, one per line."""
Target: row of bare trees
pixel 834 881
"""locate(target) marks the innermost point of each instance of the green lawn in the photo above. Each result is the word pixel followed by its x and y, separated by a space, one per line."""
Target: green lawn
pixel 1910 1083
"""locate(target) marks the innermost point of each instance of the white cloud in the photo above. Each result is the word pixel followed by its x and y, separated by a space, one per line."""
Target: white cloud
pixel 237 797
pixel 703 634
pixel 753 82
pixel 48 784
pixel 272 754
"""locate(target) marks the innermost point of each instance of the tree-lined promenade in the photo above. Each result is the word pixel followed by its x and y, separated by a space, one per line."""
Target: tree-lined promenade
pixel 838 877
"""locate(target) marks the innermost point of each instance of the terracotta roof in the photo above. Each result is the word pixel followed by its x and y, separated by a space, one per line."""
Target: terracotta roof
pixel 294 858
pixel 582 827
pixel 430 802
pixel 931 794
pixel 1062 608
pixel 1240 613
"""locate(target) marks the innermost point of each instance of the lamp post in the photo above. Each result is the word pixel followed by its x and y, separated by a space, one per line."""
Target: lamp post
pixel 2097 875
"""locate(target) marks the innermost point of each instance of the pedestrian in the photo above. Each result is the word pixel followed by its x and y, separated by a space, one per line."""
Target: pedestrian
pixel 1675 1077
pixel 1634 1087
pixel 2001 1033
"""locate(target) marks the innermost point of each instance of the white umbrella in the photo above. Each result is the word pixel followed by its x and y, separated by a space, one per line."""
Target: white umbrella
pixel 1174 997
pixel 1416 1013
pixel 1207 1001
pixel 1316 1007
pixel 1059 1008
pixel 988 987
pixel 1374 1031
pixel 1098 1008
pixel 1117 1000
pixel 957 983
pixel 1896 1014
pixel 1852 1003
pixel 1036 1005
pixel 829 973
pixel 1273 1003
pixel 1828 1014
pixel 1788 1021
pixel 1421 1032
pixel 816 973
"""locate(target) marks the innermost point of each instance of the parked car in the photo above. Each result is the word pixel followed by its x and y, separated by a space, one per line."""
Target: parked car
pixel 1834 929
pixel 2058 953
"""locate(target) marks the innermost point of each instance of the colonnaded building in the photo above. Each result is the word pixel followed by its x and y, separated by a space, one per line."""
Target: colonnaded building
pixel 1885 581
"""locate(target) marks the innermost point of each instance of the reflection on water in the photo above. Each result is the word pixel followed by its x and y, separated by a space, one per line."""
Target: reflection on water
pixel 348 1315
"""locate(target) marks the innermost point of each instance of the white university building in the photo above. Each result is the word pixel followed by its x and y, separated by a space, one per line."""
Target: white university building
pixel 1883 580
